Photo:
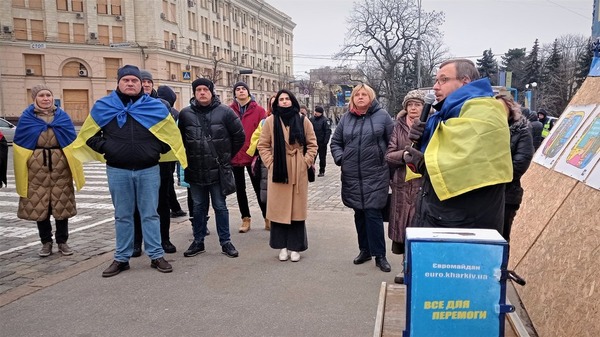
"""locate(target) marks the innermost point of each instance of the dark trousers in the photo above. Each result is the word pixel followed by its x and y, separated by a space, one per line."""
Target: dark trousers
pixel 45 229
pixel 510 211
pixel 369 227
pixel 173 202
pixel 164 212
pixel 322 157
pixel 240 190
pixel 291 236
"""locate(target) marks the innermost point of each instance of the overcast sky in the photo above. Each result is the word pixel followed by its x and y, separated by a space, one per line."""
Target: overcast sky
pixel 470 27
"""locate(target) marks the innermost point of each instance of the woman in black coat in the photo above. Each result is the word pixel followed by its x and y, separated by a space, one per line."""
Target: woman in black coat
pixel 359 145
pixel 521 150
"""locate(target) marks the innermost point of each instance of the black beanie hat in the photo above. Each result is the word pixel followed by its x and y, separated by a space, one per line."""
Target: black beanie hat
pixel 319 109
pixel 128 70
pixel 205 82
pixel 240 84
pixel 146 75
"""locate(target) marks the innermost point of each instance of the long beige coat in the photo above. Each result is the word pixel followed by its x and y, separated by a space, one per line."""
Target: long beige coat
pixel 287 202
pixel 48 188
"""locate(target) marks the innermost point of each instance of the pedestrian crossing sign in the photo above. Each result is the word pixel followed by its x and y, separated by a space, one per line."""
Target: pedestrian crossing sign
pixel 187 75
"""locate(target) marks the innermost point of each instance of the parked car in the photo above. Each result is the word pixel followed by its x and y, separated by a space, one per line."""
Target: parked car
pixel 8 129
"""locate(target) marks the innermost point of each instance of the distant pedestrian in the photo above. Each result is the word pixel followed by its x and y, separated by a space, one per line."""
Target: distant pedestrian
pixel 521 150
pixel 45 168
pixel 212 133
pixel 546 121
pixel 288 147
pixel 536 130
pixel 303 110
pixel 322 127
pixel 3 160
pixel 358 146
pixel 250 113
pixel 121 130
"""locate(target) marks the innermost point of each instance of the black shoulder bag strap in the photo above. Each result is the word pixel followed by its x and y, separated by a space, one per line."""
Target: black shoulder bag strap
pixel 208 137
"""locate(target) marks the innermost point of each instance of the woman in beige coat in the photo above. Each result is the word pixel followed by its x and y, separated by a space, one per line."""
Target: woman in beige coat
pixel 287 147
pixel 43 169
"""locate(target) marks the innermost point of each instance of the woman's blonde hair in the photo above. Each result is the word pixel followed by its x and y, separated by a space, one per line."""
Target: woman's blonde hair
pixel 368 89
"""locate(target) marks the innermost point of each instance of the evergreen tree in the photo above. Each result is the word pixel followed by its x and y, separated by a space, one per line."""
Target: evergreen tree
pixel 584 61
pixel 552 92
pixel 488 67
pixel 514 61
pixel 532 64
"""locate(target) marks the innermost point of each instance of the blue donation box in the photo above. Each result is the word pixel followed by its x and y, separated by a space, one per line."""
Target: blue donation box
pixel 455 282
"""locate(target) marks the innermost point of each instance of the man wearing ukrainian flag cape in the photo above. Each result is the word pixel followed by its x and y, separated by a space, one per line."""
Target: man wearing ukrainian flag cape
pixel 131 132
pixel 464 154
pixel 45 168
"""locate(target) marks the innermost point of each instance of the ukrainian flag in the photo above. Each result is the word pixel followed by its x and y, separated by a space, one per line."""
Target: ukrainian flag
pixel 148 111
pixel 28 131
pixel 470 151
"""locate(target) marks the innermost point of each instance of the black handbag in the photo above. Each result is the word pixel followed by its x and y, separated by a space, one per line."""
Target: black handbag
pixel 310 172
pixel 387 209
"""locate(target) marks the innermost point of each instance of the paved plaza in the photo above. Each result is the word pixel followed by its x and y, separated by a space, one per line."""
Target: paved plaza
pixel 209 295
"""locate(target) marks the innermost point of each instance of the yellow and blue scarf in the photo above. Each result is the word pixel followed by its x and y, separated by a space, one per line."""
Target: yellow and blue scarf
pixel 467 143
pixel 148 111
pixel 28 131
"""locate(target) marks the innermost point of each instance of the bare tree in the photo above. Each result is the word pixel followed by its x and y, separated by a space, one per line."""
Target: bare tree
pixel 386 32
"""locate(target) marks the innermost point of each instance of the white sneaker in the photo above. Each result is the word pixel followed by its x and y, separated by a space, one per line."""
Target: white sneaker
pixel 283 254
pixel 295 256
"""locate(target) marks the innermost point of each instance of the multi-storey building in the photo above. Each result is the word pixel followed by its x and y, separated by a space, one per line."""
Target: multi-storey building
pixel 76 46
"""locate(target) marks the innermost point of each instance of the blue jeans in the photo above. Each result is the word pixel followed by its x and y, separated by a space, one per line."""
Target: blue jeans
pixel 200 195
pixel 369 227
pixel 128 189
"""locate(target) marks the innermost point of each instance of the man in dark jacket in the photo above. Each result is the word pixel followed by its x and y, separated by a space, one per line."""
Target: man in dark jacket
pixel 212 133
pixel 250 113
pixel 322 126
pixel 447 198
pixel 120 127
pixel 536 130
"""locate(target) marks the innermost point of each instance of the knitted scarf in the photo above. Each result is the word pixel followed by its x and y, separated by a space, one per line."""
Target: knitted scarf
pixel 291 118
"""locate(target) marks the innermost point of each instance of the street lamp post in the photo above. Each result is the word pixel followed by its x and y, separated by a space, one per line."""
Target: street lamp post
pixel 530 94
pixel 419 47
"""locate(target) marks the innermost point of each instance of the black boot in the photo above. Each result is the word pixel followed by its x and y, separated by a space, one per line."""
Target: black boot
pixel 383 264
pixel 362 257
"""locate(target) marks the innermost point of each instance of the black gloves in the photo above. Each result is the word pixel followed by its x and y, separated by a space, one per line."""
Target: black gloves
pixel 416 131
pixel 414 159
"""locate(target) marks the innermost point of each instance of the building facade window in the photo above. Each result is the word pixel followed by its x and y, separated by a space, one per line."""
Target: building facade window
pixel 78 33
pixel 77 5
pixel 61 5
pixel 37 30
pixel 18 3
pixel 111 66
pixel 63 32
pixel 33 64
pixel 20 28
pixel 103 35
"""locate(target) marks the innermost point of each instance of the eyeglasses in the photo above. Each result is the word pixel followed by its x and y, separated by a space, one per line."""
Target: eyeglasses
pixel 444 80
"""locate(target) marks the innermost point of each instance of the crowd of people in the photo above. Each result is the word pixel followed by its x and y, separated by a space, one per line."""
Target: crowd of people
pixel 140 136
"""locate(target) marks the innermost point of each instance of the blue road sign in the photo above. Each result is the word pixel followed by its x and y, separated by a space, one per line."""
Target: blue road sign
pixel 187 75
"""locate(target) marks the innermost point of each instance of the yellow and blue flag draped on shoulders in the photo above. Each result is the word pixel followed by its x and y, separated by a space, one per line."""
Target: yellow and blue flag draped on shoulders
pixel 28 131
pixel 148 111
pixel 467 144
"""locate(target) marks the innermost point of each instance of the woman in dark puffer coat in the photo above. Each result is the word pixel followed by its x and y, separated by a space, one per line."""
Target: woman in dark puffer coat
pixel 522 150
pixel 358 146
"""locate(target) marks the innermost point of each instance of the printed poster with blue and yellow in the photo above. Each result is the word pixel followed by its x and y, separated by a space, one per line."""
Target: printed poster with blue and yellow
pixel 453 283
pixel 562 134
